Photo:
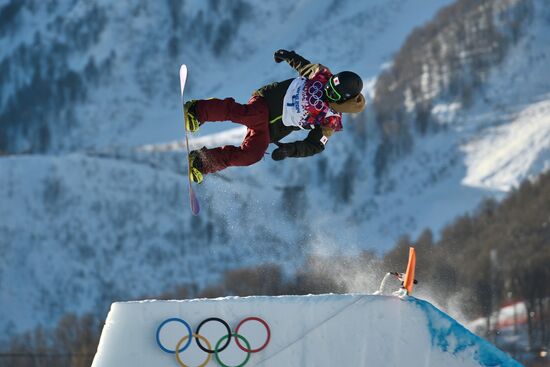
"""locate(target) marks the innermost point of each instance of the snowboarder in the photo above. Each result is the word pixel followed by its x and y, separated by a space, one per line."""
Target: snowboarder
pixel 314 101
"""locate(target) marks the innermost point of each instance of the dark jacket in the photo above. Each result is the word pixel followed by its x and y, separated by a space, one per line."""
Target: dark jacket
pixel 274 94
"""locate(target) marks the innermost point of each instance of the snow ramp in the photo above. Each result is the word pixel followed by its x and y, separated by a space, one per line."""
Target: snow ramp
pixel 321 330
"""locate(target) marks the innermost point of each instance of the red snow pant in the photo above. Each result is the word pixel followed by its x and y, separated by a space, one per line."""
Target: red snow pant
pixel 254 115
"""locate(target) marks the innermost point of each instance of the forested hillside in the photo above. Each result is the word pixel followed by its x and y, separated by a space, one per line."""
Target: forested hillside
pixel 448 60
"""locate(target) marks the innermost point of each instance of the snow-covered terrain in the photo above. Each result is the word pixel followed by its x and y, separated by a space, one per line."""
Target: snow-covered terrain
pixel 502 157
pixel 107 216
pixel 326 330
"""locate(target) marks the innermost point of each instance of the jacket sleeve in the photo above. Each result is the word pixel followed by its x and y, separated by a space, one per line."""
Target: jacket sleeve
pixel 313 144
pixel 303 66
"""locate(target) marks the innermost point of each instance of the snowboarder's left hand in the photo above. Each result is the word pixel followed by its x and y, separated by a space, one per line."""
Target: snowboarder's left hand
pixel 280 55
pixel 283 151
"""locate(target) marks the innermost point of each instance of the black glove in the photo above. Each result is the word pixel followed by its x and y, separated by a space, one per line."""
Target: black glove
pixel 281 55
pixel 283 151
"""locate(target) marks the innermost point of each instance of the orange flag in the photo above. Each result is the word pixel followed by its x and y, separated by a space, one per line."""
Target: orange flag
pixel 409 275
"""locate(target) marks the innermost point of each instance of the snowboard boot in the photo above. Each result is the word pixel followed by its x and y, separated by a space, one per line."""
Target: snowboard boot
pixel 196 165
pixel 192 124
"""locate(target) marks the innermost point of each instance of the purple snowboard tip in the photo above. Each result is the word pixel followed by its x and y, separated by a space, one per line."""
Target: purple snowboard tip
pixel 195 207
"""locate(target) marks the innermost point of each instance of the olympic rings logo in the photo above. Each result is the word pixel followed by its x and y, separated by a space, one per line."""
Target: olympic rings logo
pixel 316 95
pixel 204 344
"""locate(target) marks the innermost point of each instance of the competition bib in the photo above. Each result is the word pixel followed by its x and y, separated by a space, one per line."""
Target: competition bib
pixel 303 105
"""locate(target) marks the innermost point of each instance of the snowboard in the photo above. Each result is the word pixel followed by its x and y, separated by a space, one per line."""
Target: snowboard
pixel 194 202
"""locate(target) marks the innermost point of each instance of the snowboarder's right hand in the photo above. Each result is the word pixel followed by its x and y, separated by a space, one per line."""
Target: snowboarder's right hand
pixel 283 151
pixel 281 55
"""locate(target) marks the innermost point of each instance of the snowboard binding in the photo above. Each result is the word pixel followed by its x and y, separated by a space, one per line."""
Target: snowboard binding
pixel 192 124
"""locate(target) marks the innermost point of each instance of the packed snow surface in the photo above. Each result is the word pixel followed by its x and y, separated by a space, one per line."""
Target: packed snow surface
pixel 325 330
pixel 508 154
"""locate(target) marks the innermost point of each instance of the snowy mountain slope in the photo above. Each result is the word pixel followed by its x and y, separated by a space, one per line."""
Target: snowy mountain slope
pixel 325 330
pixel 513 113
pixel 506 155
pixel 124 234
pixel 124 211
pixel 482 150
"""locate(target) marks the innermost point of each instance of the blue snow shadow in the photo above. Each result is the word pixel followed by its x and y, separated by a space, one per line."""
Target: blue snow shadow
pixel 451 337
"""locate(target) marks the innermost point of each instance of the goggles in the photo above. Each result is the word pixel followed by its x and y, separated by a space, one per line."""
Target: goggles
pixel 331 92
pixel 333 95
